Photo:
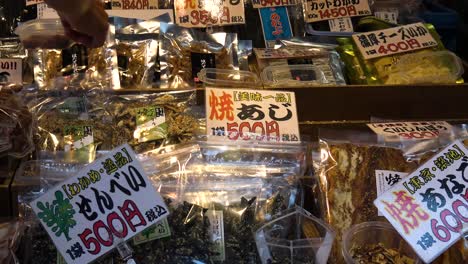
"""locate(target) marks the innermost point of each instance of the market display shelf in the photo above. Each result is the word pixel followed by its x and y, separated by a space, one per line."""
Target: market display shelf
pixel 354 102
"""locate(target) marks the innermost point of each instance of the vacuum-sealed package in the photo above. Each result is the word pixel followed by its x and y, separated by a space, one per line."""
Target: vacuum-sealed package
pixel 137 47
pixel 355 167
pixel 77 66
pixel 146 121
pixel 16 126
pixel 185 52
pixel 15 64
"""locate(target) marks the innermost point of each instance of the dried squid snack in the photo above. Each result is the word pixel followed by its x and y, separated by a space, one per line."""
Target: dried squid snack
pixel 146 121
pixel 185 52
pixel 347 178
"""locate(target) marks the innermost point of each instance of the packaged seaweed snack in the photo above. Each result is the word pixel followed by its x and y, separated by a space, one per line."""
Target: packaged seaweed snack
pixel 355 167
pixel 185 52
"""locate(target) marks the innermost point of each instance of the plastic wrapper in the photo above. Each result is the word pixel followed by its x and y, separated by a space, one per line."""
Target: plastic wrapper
pixel 347 178
pixel 77 66
pixel 228 78
pixel 16 126
pixel 65 123
pixel 396 69
pixel 184 52
pixel 293 53
pixel 43 33
pixel 244 51
pixel 294 236
pixel 10 232
pixel 147 121
pixel 137 52
pixel 11 48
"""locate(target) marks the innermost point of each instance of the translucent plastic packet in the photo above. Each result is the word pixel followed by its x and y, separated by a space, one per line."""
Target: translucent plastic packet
pixel 352 168
pixel 77 66
pixel 228 78
pixel 184 52
pixel 394 69
pixel 15 64
pixel 43 33
pixel 294 236
pixel 137 48
pixel 148 120
pixel 65 123
pixel 296 53
pixel 16 126
pixel 10 232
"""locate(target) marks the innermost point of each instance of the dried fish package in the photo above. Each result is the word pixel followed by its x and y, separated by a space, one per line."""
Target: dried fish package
pixel 185 52
pixel 146 121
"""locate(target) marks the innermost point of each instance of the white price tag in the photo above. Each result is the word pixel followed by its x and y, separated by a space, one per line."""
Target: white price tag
pixel 45 12
pixel 390 16
pixel 343 24
pixel 273 3
pixel 11 71
pixel 108 201
pixel 395 40
pixel 319 10
pixel 203 13
pixel 385 179
pixel 418 130
pixel 430 206
pixel 241 114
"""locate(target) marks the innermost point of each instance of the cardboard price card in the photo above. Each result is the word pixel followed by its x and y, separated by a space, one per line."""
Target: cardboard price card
pixel 275 25
pixel 430 206
pixel 241 114
pixel 203 13
pixel 273 3
pixel 33 2
pixel 134 4
pixel 422 130
pixel 108 201
pixel 395 40
pixel 319 10
pixel 11 71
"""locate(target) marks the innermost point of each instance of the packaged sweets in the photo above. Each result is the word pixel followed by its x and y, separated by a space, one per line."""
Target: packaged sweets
pixel 350 169
pixel 137 47
pixel 184 52
pixel 146 121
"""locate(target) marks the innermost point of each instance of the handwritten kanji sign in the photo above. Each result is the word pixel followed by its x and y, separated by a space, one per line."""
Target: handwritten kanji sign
pixel 418 130
pixel 11 71
pixel 273 3
pixel 203 13
pixel 107 201
pixel 33 2
pixel 395 40
pixel 430 206
pixel 319 10
pixel 241 114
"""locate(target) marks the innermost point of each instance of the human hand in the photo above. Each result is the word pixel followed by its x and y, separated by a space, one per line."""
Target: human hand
pixel 85 21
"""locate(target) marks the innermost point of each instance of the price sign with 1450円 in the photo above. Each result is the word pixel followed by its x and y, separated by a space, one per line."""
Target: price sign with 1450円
pixel 241 114
pixel 108 201
pixel 430 206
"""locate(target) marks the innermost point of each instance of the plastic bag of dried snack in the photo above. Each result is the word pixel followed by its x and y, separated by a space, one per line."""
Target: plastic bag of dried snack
pixel 146 121
pixel 184 52
pixel 65 123
pixel 353 168
pixel 77 66
pixel 10 234
pixel 16 125
pixel 15 64
pixel 137 52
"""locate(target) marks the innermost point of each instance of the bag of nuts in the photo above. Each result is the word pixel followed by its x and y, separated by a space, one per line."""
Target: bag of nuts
pixel 186 51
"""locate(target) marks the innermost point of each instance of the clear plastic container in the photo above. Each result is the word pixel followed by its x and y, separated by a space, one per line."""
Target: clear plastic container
pixel 294 75
pixel 228 78
pixel 312 244
pixel 369 234
pixel 43 33
pixel 426 67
